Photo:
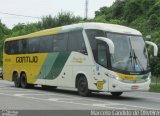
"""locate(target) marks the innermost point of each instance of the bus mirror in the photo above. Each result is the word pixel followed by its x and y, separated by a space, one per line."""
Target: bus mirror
pixel 154 47
pixel 109 42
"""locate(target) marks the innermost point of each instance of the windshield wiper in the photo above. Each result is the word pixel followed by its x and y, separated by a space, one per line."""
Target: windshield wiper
pixel 136 62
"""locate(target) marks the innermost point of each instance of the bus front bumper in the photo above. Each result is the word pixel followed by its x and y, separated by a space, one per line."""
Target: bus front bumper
pixel 119 86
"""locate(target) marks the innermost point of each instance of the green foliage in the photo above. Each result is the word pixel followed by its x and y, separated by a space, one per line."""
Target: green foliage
pixel 63 18
pixel 133 9
pixel 22 29
pixel 118 8
pixel 154 21
pixel 4 31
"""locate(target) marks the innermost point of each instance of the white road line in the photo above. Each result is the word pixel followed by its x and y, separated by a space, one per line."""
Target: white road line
pixel 53 99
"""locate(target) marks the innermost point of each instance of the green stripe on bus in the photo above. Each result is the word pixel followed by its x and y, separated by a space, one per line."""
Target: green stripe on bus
pixel 53 65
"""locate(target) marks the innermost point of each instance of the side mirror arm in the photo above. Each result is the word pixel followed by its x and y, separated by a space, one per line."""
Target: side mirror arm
pixel 109 42
pixel 154 47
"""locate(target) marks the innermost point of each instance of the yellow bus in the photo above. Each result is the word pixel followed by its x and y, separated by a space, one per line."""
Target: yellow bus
pixel 87 56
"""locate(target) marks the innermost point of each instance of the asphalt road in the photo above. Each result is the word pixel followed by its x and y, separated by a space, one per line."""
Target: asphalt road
pixel 13 98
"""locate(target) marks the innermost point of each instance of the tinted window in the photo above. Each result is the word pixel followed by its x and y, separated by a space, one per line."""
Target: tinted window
pixel 11 47
pixel 91 34
pixel 23 48
pixel 76 42
pixel 7 47
pixel 102 55
pixel 46 44
pixel 33 45
pixel 60 42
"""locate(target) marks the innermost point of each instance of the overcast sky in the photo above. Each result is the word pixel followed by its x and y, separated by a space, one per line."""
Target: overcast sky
pixel 39 8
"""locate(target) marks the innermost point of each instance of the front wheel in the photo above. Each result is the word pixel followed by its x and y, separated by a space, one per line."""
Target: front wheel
pixel 116 94
pixel 83 86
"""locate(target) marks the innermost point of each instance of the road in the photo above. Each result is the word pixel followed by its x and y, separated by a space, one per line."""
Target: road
pixel 13 98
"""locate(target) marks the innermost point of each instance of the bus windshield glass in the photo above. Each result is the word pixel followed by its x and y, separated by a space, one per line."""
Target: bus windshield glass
pixel 130 53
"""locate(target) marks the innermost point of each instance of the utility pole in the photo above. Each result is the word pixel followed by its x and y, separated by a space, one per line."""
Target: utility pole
pixel 86 9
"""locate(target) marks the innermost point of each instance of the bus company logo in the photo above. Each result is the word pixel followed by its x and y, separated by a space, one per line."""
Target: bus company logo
pixel 27 59
pixel 99 85
pixel 7 60
pixel 78 60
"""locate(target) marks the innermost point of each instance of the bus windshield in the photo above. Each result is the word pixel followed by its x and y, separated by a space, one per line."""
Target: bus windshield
pixel 130 53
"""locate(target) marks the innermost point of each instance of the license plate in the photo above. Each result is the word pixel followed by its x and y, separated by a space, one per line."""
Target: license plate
pixel 134 87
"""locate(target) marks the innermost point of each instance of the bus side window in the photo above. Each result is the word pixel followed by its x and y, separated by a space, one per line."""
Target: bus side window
pixel 46 44
pixel 7 47
pixel 76 42
pixel 60 42
pixel 23 46
pixel 14 47
pixel 33 45
pixel 102 55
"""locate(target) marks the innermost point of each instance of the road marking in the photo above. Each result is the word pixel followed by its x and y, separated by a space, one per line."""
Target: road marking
pixel 67 102
pixel 61 94
pixel 53 99
pixel 119 104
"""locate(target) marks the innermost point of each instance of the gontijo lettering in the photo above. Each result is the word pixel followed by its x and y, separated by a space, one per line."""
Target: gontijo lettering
pixel 27 59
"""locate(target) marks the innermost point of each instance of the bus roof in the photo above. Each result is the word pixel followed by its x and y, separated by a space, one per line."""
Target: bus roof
pixel 91 25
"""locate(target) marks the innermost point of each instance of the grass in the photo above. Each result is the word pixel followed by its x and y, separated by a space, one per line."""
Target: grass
pixel 154 88
pixel 155 84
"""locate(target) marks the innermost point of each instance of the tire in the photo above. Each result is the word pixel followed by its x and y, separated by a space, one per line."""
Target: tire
pixel 83 86
pixel 16 80
pixel 116 94
pixel 23 80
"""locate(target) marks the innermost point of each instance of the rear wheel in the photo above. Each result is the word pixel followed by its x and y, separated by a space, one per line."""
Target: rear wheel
pixel 83 86
pixel 116 94
pixel 16 80
pixel 23 80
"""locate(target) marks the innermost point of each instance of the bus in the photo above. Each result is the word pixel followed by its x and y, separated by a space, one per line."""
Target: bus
pixel 90 57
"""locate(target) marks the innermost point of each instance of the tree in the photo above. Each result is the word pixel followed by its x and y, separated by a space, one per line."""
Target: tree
pixel 63 18
pixel 153 21
pixel 132 9
pixel 118 8
pixel 4 31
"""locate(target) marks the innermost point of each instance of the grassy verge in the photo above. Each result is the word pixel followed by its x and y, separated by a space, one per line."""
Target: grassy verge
pixel 155 84
pixel 154 88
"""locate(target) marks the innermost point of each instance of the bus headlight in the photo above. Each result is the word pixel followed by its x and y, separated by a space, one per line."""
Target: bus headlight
pixel 114 77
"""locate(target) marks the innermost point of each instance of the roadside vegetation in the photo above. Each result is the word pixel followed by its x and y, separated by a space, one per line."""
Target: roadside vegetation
pixel 143 15
pixel 155 84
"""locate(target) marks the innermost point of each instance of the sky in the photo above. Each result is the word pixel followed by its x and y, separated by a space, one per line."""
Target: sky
pixel 40 8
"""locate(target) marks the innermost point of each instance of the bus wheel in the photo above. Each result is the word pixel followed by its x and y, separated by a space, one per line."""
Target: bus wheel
pixel 23 80
pixel 16 80
pixel 83 86
pixel 116 94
